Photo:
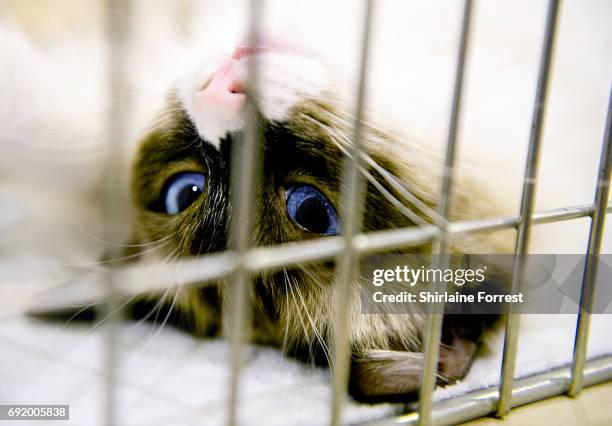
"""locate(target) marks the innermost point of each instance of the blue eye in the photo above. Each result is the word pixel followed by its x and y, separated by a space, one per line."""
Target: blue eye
pixel 309 209
pixel 181 191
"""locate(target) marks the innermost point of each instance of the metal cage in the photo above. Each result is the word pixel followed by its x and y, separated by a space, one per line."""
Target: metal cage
pixel 241 261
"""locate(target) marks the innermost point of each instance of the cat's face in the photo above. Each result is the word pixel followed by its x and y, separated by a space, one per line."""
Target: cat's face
pixel 181 177
pixel 180 190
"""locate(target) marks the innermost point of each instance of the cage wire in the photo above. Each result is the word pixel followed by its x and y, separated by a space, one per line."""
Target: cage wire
pixel 241 261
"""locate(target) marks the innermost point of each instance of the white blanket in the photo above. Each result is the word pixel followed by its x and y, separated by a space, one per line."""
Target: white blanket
pixel 171 378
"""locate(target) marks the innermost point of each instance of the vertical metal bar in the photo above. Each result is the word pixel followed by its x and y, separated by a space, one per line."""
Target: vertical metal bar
pixel 589 276
pixel 245 171
pixel 527 203
pixel 353 199
pixel 441 244
pixel 117 32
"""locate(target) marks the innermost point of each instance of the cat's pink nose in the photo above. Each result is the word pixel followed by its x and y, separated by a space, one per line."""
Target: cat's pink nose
pixel 224 91
pixel 218 107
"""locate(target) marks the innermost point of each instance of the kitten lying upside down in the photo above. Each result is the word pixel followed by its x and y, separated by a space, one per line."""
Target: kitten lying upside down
pixel 180 191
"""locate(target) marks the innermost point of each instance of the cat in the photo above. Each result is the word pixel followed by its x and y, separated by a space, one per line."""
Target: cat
pixel 180 183
pixel 180 176
pixel 306 119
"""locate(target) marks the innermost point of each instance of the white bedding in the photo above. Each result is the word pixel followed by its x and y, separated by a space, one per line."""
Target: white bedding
pixel 170 378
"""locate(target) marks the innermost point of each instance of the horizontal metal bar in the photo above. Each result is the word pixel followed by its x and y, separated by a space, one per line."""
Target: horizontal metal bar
pixel 140 277
pixel 267 258
pixel 540 218
pixel 155 276
pixel 481 403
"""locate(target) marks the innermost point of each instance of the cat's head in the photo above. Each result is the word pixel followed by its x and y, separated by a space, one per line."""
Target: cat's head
pixel 180 189
pixel 181 176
